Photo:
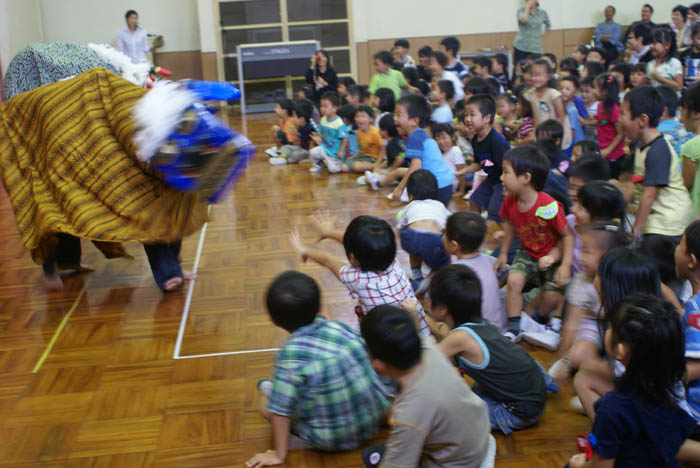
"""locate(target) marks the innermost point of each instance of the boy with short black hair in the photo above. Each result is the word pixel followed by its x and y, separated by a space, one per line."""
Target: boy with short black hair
pixel 638 75
pixel 394 153
pixel 357 94
pixel 540 223
pixel 513 385
pixel 283 132
pixel 401 47
pixel 334 141
pixel 450 47
pixel 464 234
pixel 386 77
pixel 588 167
pixel 421 226
pixel 669 126
pixel 437 419
pixel 662 202
pixel 443 95
pixel 489 148
pixel 412 114
pixel 371 272
pixel 306 131
pixel 324 393
pixel 482 66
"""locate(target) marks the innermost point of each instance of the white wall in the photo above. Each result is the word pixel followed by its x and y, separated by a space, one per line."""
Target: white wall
pixel 207 30
pixel 20 24
pixel 83 21
pixel 381 19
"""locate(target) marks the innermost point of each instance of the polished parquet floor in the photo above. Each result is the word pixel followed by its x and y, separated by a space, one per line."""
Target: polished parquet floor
pixel 88 376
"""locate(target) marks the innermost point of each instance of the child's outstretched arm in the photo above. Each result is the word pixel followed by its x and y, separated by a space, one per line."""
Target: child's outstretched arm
pixel 415 165
pixel 281 426
pixel 324 223
pixel 334 264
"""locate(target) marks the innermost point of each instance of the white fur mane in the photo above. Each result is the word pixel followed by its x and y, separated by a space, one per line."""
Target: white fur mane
pixel 157 115
pixel 134 72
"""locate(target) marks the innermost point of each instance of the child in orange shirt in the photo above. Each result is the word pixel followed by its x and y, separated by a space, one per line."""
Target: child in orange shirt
pixel 369 141
pixel 285 133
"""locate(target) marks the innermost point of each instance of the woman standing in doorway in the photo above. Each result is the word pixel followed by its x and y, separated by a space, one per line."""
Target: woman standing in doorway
pixel 133 41
pixel 532 23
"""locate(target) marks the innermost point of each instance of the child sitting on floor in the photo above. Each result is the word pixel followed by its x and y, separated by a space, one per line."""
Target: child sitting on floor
pixel 411 116
pixel 371 272
pixel 306 131
pixel 283 132
pixel 421 226
pixel 639 422
pixel 324 393
pixel 513 385
pixel 464 234
pixel 442 96
pixel 437 420
pixel 394 155
pixel 334 141
pixel 368 140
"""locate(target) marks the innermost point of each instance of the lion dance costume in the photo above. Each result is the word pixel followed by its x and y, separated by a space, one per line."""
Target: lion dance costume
pixel 98 157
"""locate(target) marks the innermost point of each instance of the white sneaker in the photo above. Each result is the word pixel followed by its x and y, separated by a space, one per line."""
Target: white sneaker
pixel 529 324
pixel 277 161
pixel 561 369
pixel 548 339
pixel 316 167
pixel 576 405
pixel 361 180
pixel 513 337
pixel 272 152
pixel 265 386
pixel 372 180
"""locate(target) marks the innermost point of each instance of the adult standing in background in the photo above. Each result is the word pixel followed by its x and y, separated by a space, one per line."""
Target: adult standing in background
pixel 133 41
pixel 647 13
pixel 679 25
pixel 533 21
pixel 608 35
pixel 321 76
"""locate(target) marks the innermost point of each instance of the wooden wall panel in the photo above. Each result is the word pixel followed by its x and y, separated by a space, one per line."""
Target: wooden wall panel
pixel 209 66
pixel 184 64
pixel 364 63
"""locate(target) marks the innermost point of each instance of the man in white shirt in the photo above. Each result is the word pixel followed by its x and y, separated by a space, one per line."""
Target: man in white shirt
pixel 438 62
pixel 133 41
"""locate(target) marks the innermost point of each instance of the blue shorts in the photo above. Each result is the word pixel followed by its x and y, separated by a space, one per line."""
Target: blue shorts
pixel 489 196
pixel 427 245
pixel 501 416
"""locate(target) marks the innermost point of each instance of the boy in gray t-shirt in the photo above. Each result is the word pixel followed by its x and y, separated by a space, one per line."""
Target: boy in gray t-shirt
pixel 436 420
pixel 464 234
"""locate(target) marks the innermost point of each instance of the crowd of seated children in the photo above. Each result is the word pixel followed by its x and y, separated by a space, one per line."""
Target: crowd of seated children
pixel 612 139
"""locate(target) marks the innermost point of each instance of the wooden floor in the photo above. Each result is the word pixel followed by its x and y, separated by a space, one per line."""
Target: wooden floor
pixel 88 376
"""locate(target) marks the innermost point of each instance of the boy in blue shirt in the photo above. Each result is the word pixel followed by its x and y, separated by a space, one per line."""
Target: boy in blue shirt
pixel 669 126
pixel 347 113
pixel 334 141
pixel 412 114
pixel 687 258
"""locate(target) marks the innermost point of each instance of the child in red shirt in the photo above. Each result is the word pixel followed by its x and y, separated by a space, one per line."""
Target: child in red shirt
pixel 539 221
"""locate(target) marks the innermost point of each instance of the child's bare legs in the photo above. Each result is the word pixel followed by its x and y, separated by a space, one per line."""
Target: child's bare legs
pixel 393 175
pixel 589 388
pixel 360 166
pixel 514 293
pixel 583 352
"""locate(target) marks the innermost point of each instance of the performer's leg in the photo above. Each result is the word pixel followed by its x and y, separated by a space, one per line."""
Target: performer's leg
pixel 165 264
pixel 68 253
pixel 52 280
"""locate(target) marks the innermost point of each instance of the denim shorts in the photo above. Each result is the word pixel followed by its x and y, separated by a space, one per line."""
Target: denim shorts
pixel 427 245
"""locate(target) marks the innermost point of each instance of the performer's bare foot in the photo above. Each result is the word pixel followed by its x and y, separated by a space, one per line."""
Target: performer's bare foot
pixel 79 268
pixel 172 284
pixel 188 275
pixel 53 281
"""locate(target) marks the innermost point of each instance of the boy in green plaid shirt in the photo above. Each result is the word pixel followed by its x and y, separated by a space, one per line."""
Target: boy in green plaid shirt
pixel 324 393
